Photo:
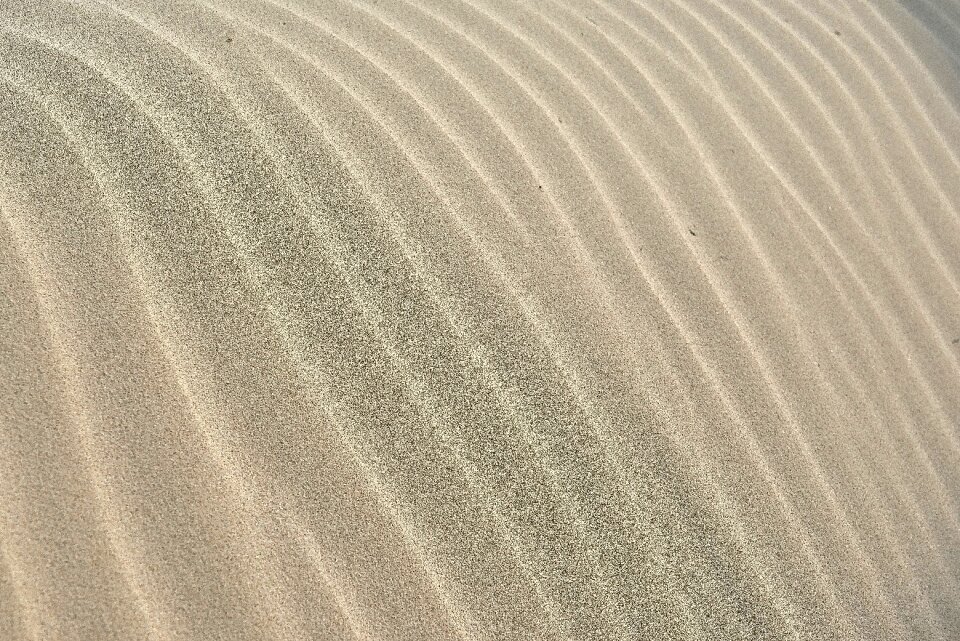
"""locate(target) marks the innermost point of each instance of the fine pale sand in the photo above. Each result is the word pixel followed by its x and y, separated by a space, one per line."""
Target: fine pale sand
pixel 463 319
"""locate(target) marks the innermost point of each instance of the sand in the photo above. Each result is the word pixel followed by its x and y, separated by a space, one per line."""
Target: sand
pixel 463 319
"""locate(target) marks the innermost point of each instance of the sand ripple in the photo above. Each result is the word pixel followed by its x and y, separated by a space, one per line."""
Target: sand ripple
pixel 578 319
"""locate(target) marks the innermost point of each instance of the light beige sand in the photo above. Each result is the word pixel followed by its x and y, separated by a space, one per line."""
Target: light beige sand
pixel 479 320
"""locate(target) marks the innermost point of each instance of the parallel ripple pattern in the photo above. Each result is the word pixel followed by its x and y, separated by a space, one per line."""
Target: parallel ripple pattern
pixel 468 319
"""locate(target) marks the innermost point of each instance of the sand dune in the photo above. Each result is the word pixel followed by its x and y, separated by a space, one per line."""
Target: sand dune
pixel 570 319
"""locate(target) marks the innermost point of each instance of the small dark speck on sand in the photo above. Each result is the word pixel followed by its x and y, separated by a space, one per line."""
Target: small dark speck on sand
pixel 692 233
pixel 539 186
pixel 956 340
pixel 229 39
pixel 836 33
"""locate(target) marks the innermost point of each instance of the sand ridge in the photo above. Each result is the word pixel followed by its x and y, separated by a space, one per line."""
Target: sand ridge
pixel 577 319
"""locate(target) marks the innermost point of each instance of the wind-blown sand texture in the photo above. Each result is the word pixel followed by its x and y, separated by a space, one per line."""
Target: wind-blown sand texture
pixel 479 320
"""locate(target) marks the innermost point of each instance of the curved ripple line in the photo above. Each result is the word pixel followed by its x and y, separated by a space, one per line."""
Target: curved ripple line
pixel 110 521
pixel 757 78
pixel 894 332
pixel 579 153
pixel 610 206
pixel 888 320
pixel 418 389
pixel 808 209
pixel 195 174
pixel 828 388
pixel 453 324
pixel 716 287
pixel 395 355
pixel 798 78
pixel 912 92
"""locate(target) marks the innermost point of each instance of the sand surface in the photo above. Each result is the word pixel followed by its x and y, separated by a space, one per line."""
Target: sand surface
pixel 465 319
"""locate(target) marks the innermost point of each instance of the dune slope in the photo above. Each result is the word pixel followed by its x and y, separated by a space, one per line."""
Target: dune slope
pixel 571 319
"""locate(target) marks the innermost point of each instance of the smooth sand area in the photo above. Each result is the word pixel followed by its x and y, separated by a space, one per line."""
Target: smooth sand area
pixel 479 320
